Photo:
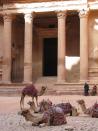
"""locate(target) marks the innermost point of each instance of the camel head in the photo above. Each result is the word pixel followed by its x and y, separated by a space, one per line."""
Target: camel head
pixel 31 103
pixel 81 102
pixel 32 106
pixel 43 88
pixel 25 113
pixel 45 105
pixel 42 91
pixel 83 106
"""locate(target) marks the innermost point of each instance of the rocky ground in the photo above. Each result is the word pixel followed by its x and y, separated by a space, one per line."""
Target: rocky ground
pixel 11 121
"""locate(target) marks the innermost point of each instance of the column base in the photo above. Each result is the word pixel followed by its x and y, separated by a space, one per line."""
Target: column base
pixel 27 82
pixel 83 81
pixel 6 82
pixel 93 81
pixel 61 81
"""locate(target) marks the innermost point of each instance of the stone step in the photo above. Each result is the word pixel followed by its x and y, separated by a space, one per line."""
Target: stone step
pixel 52 87
pixel 18 93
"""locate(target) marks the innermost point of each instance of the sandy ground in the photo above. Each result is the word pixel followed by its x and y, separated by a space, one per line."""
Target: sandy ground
pixel 11 121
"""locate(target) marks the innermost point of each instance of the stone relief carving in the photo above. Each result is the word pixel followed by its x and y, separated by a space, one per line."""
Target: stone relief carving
pixel 7 17
pixel 83 13
pixel 28 17
pixel 61 14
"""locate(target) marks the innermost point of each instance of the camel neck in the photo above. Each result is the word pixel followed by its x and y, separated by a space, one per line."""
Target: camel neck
pixel 83 108
pixel 41 92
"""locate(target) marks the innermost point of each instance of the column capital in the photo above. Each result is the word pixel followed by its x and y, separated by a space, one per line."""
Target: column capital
pixel 61 14
pixel 83 13
pixel 28 16
pixel 7 17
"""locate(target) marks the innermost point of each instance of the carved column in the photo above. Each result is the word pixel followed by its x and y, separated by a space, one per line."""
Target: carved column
pixel 61 46
pixel 83 45
pixel 28 49
pixel 6 78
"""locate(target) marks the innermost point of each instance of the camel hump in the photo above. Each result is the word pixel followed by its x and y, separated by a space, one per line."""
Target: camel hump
pixel 30 90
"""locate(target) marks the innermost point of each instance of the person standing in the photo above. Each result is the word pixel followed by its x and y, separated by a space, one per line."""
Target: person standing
pixel 94 90
pixel 86 89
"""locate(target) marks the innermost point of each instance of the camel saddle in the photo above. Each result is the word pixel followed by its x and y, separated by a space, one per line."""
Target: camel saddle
pixel 67 107
pixel 94 112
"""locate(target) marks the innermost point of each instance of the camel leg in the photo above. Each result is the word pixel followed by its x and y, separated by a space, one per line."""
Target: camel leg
pixel 71 113
pixel 34 124
pixel 43 125
pixel 37 100
pixel 34 108
pixel 48 122
pixel 32 99
pixel 22 102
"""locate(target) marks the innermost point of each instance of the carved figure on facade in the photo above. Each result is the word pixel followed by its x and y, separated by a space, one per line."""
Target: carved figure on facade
pixel 28 17
pixel 7 17
pixel 83 13
pixel 61 14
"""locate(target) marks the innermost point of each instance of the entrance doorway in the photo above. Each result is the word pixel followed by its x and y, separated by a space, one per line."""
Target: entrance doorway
pixel 50 57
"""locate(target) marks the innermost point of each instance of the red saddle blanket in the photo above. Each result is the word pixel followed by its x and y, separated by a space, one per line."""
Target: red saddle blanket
pixel 94 112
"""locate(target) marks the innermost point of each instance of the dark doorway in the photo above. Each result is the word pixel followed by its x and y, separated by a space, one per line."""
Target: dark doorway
pixel 50 57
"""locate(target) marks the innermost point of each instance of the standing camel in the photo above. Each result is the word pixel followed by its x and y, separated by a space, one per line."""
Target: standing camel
pixel 31 91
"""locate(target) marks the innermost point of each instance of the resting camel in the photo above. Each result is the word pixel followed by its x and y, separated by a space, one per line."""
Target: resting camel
pixel 92 111
pixel 45 105
pixel 35 119
pixel 48 114
pixel 52 116
pixel 83 106
pixel 31 91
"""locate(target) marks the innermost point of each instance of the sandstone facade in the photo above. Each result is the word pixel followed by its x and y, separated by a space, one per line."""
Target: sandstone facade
pixel 38 38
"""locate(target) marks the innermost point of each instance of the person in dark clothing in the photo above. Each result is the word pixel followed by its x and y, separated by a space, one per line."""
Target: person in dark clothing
pixel 86 89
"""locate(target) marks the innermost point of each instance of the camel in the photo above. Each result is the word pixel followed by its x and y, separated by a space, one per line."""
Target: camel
pixel 31 91
pixel 45 105
pixel 52 116
pixel 66 107
pixel 48 114
pixel 83 107
pixel 91 111
pixel 35 119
